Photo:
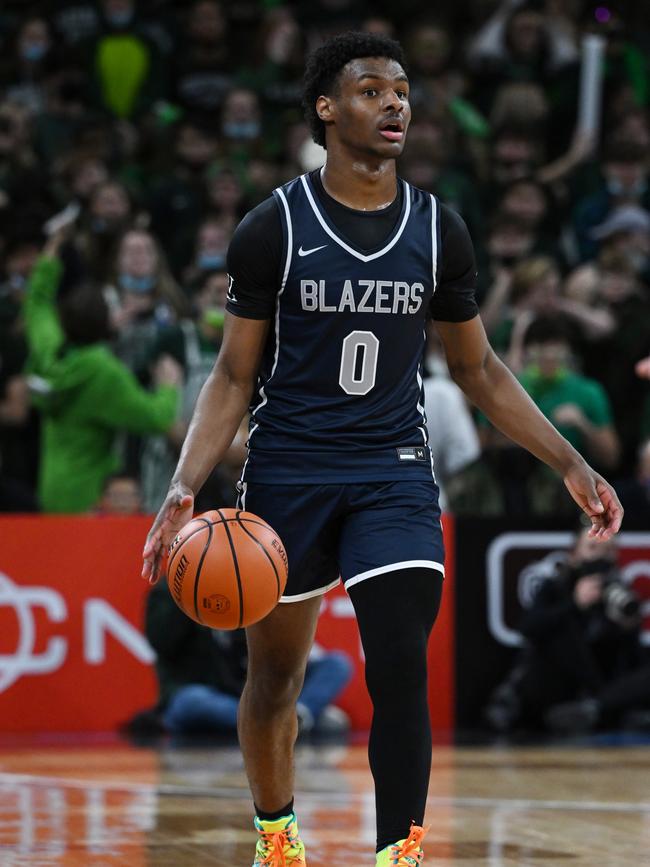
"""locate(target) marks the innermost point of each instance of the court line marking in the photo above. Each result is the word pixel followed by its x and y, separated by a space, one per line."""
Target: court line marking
pixel 7 779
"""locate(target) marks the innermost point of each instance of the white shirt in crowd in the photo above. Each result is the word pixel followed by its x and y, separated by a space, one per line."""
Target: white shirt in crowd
pixel 452 434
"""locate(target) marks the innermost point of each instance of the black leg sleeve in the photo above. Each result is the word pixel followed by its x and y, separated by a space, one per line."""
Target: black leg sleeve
pixel 396 612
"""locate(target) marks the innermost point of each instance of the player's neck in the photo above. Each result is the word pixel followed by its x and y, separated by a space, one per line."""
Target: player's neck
pixel 360 183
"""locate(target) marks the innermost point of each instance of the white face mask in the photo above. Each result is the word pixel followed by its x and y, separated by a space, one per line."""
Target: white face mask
pixel 616 188
pixel 121 18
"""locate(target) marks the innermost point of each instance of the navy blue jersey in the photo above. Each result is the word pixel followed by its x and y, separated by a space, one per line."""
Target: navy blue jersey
pixel 340 393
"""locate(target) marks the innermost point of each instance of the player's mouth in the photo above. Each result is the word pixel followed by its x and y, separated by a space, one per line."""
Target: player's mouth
pixel 392 129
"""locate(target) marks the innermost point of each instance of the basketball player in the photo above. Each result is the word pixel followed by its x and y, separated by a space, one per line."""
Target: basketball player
pixel 331 281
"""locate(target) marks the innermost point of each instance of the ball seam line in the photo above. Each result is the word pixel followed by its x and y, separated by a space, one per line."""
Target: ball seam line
pixel 200 566
pixel 265 552
pixel 236 565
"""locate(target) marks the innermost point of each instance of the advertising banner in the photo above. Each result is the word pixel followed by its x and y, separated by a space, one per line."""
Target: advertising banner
pixel 72 652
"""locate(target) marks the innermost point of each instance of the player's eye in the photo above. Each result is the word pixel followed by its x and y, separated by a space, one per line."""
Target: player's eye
pixel 370 91
pixel 402 94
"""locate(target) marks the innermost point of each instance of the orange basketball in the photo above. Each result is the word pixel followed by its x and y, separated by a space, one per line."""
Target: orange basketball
pixel 227 568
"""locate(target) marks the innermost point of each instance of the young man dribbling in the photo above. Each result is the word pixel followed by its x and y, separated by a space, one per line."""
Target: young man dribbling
pixel 332 280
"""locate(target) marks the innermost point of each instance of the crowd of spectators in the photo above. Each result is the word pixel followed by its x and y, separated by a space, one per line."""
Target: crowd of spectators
pixel 133 138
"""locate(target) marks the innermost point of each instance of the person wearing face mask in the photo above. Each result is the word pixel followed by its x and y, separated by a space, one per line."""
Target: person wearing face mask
pixel 108 211
pixel 624 183
pixel 508 241
pixel 143 297
pixel 211 247
pixel 85 395
pixel 627 231
pixel 241 126
pixel 26 73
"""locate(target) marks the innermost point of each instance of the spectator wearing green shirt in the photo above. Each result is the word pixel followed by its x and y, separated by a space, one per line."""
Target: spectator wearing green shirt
pixel 577 406
pixel 85 394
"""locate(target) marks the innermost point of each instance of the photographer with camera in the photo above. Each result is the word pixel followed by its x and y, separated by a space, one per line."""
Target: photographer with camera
pixel 583 665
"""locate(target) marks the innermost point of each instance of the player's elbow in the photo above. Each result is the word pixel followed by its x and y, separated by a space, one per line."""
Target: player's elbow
pixel 472 376
pixel 234 377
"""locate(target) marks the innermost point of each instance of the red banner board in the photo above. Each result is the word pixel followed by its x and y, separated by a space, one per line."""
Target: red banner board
pixel 72 653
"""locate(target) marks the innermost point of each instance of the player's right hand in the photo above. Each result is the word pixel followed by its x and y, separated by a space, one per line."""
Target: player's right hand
pixel 174 513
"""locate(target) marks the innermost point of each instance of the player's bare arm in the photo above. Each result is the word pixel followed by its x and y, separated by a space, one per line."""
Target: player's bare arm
pixel 220 408
pixel 489 384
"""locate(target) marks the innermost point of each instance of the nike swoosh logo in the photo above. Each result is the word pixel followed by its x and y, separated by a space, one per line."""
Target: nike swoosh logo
pixel 302 252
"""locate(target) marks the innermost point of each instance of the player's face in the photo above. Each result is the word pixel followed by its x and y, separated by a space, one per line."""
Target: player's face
pixel 370 109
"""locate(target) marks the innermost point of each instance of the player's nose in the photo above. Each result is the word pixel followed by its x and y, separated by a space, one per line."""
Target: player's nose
pixel 392 102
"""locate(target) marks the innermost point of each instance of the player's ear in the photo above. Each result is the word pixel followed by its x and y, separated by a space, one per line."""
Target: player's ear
pixel 324 108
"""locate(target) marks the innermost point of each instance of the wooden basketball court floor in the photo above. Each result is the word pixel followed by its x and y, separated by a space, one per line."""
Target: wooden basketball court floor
pixel 90 805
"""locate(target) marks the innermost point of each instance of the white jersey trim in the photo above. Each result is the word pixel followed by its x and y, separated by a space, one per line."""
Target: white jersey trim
pixel 434 240
pixel 300 597
pixel 363 257
pixel 424 429
pixel 285 275
pixel 393 567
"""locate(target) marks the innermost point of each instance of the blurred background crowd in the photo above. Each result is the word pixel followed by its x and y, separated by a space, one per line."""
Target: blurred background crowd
pixel 135 135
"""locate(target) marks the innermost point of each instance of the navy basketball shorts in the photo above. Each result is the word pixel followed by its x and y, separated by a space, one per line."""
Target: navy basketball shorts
pixel 351 532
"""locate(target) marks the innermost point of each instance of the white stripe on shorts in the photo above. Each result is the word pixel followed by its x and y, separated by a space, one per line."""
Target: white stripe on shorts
pixel 300 597
pixel 393 567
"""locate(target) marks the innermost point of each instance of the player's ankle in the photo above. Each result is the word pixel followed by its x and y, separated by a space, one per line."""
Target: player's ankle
pixel 285 812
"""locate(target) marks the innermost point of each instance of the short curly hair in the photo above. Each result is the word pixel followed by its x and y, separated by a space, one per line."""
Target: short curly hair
pixel 326 62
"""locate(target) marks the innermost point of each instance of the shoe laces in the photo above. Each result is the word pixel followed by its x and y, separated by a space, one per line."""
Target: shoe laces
pixel 410 851
pixel 277 845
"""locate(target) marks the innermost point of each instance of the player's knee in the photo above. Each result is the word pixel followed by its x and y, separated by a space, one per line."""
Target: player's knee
pixel 274 686
pixel 398 667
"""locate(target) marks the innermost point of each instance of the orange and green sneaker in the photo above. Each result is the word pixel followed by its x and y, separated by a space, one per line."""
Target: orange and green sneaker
pixel 404 853
pixel 279 844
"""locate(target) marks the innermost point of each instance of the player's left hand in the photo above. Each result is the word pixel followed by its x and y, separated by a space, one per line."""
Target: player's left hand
pixel 597 499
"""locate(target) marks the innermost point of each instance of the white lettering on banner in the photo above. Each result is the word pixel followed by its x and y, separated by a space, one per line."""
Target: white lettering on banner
pixel 537 569
pixel 100 618
pixel 23 660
